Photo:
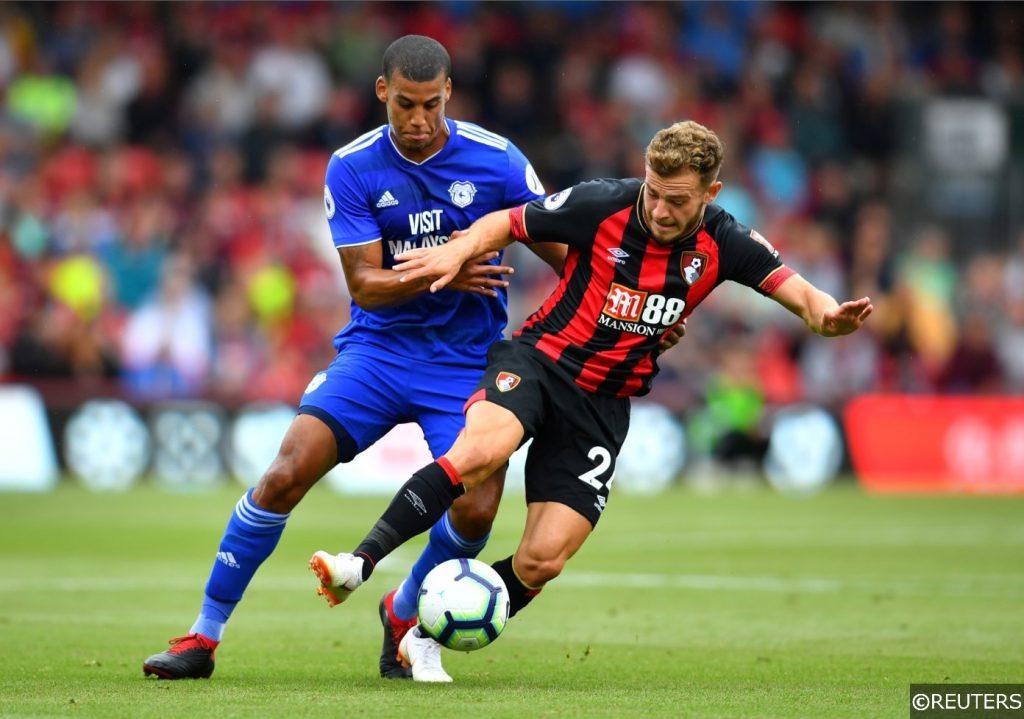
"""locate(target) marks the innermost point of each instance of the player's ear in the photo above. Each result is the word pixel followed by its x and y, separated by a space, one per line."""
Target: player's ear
pixel 448 89
pixel 713 189
pixel 381 88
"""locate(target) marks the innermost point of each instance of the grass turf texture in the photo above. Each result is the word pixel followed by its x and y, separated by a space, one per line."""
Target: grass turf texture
pixel 743 604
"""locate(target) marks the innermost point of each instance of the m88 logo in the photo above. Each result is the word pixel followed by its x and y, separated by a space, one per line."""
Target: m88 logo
pixel 628 305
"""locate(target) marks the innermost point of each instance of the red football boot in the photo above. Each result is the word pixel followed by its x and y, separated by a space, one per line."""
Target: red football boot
pixel 190 657
pixel 394 629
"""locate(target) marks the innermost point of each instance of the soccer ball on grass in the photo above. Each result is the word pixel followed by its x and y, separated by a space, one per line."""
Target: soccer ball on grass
pixel 463 604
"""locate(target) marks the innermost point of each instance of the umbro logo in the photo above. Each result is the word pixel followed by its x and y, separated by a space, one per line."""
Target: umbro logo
pixel 617 255
pixel 387 200
pixel 416 502
pixel 229 559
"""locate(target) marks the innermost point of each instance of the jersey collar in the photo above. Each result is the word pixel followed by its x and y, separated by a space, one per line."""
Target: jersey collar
pixel 444 148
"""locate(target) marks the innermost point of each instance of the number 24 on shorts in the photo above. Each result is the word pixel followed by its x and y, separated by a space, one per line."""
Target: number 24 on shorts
pixel 604 460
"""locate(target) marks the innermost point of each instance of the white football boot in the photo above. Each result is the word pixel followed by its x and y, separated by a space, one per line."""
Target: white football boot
pixel 423 654
pixel 339 575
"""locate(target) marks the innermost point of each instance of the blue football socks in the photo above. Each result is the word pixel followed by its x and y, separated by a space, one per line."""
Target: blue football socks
pixel 445 543
pixel 250 537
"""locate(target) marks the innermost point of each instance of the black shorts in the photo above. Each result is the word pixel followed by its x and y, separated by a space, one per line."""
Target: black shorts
pixel 576 434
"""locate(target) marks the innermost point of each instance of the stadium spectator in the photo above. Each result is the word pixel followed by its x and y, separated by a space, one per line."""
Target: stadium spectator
pixel 134 136
pixel 166 342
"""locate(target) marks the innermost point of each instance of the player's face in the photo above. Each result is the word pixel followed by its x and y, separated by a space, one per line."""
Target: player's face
pixel 416 112
pixel 674 205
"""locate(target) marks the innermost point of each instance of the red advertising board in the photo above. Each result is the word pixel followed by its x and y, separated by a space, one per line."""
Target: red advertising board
pixel 937 444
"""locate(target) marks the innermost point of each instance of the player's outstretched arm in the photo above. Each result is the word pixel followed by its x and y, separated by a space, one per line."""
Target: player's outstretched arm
pixel 370 285
pixel 373 287
pixel 552 253
pixel 819 310
pixel 479 276
pixel 440 265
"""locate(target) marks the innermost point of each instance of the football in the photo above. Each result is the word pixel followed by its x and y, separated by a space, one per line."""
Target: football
pixel 463 604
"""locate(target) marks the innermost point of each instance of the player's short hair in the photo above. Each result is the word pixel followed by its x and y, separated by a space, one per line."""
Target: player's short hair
pixel 686 146
pixel 417 57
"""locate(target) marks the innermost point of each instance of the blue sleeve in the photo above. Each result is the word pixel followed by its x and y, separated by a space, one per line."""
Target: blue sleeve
pixel 348 212
pixel 522 184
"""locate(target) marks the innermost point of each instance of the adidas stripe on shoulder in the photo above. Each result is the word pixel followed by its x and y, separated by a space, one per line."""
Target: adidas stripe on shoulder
pixel 360 143
pixel 477 130
pixel 478 134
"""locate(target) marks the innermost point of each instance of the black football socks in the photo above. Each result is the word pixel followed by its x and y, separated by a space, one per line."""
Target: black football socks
pixel 416 508
pixel 519 595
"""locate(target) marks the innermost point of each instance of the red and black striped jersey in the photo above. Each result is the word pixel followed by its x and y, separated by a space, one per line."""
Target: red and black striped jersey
pixel 621 291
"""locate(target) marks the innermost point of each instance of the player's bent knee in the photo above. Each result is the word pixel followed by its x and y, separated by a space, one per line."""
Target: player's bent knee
pixel 535 569
pixel 282 486
pixel 473 516
pixel 474 461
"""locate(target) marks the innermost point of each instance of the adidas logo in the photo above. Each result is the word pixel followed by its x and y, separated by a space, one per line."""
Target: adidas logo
pixel 229 559
pixel 387 200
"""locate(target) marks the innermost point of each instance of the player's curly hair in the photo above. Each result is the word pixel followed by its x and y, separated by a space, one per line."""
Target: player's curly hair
pixel 417 57
pixel 686 146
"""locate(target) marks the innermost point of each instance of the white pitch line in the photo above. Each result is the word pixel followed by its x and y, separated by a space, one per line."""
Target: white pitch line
pixel 699 581
pixel 570 579
pixel 952 587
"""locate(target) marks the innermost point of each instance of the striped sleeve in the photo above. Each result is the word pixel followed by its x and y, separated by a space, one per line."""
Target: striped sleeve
pixel 775 278
pixel 572 216
pixel 517 223
pixel 748 258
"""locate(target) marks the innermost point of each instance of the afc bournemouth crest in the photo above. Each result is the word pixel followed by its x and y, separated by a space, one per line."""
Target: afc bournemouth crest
pixel 462 193
pixel 692 265
pixel 506 381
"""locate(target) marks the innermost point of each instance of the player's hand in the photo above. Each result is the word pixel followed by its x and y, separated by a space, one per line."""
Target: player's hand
pixel 480 277
pixel 440 264
pixel 845 318
pixel 671 338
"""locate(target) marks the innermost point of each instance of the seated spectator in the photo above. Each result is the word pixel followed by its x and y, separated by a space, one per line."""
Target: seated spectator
pixel 166 344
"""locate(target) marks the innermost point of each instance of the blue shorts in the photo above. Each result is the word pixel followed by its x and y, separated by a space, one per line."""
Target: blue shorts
pixel 365 392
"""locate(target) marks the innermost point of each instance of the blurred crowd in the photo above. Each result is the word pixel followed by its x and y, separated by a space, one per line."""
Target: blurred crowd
pixel 161 170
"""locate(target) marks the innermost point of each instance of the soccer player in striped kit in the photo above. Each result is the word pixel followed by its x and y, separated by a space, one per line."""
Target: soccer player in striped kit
pixel 643 253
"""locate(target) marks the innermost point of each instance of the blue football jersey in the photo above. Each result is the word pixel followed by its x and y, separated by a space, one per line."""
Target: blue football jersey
pixel 373 194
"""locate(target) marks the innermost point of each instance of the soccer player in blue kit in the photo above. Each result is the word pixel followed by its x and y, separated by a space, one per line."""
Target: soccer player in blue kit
pixel 406 356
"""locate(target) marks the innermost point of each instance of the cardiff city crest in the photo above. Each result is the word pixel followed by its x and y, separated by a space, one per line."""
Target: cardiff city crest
pixel 506 381
pixel 462 193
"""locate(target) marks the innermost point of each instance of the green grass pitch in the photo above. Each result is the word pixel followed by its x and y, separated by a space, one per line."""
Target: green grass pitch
pixel 737 605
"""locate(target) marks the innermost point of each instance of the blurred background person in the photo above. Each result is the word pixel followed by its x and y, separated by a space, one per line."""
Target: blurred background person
pixel 161 163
